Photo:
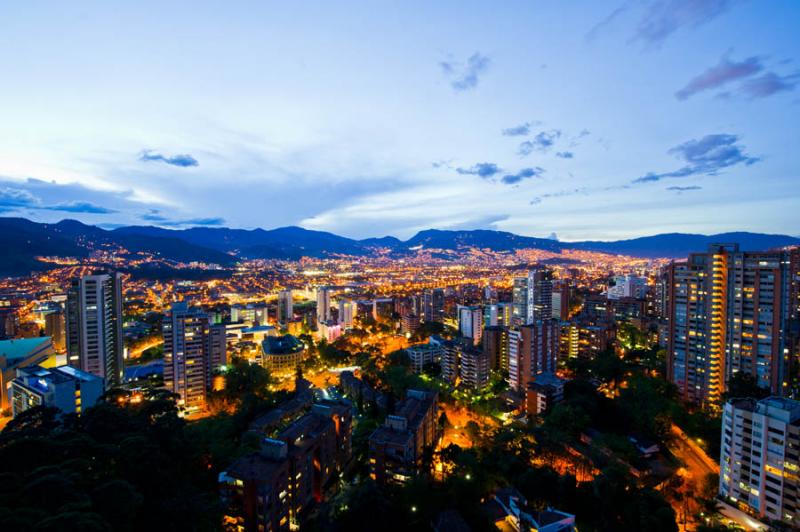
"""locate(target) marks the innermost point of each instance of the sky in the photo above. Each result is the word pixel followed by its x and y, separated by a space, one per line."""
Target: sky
pixel 578 119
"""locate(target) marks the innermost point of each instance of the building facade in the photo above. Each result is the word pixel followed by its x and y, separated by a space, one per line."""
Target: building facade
pixel 94 326
pixel 760 458
pixel 66 388
pixel 729 311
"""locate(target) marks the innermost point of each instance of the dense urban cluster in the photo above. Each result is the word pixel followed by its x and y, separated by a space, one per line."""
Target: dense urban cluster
pixel 444 390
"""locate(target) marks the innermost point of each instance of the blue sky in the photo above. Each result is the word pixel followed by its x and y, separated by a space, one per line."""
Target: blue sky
pixel 588 119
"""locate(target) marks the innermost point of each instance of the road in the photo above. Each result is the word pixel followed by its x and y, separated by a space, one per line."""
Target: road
pixel 697 461
pixel 136 352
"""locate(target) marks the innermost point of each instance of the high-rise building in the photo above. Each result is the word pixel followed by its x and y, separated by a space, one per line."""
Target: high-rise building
pixel 54 328
pixel 495 345
pixel 69 389
pixel 94 326
pixel 474 367
pixel 409 323
pixel 498 314
pixel 285 306
pixel 560 300
pixel 382 308
pixel 347 312
pixel 397 448
pixel 451 359
pixel 470 322
pixel 544 391
pixel 422 354
pixel 532 349
pixel 433 305
pixel 276 488
pixel 760 458
pixel 627 286
pixel 729 311
pixel 533 296
pixel 193 350
pixel 323 304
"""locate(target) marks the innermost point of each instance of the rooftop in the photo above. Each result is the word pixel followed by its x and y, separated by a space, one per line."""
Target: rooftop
pixel 22 347
pixel 281 345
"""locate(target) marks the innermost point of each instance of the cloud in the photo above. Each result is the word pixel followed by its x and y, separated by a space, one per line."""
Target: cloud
pixel 484 170
pixel 465 76
pixel 79 207
pixel 707 156
pixel 726 71
pixel 684 189
pixel 517 131
pixel 483 222
pixel 542 142
pixel 565 154
pixel 181 160
pixel 662 18
pixel 525 173
pixel 659 19
pixel 203 221
pixel 17 198
pixel 768 84
pixel 155 216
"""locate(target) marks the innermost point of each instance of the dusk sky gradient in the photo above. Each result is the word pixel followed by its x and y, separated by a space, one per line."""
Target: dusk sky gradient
pixel 588 119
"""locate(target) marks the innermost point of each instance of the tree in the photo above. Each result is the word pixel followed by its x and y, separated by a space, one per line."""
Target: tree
pixel 743 384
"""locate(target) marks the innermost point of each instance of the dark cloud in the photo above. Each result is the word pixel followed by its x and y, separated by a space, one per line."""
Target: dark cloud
pixel 707 156
pixel 565 154
pixel 518 131
pixel 726 71
pixel 542 142
pixel 768 84
pixel 465 76
pixel 484 170
pixel 684 189
pixel 181 160
pixel 662 18
pixel 525 173
pixel 79 207
pixel 12 198
pixel 156 217
pixel 16 197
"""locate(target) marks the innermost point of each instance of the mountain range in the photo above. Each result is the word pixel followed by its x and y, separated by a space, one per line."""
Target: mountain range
pixel 22 240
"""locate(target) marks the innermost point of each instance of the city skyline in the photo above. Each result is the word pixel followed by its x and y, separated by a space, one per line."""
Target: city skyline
pixel 588 121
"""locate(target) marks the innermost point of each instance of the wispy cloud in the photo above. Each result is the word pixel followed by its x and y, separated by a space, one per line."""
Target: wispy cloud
pixel 684 189
pixel 79 207
pixel 565 154
pixel 706 156
pixel 542 142
pixel 723 73
pixel 518 131
pixel 659 19
pixel 742 73
pixel 768 84
pixel 465 76
pixel 525 173
pixel 662 18
pixel 181 160
pixel 484 170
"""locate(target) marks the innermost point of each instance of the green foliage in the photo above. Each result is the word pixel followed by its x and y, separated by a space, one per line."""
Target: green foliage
pixel 114 468
pixel 744 385
pixel 243 380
